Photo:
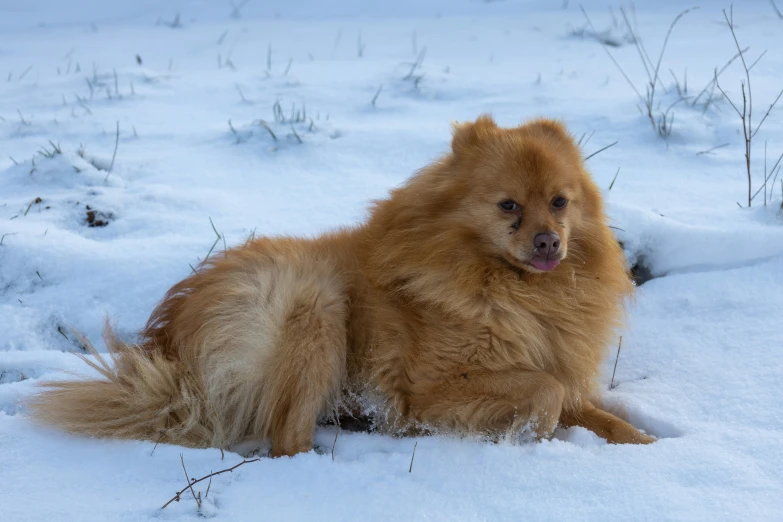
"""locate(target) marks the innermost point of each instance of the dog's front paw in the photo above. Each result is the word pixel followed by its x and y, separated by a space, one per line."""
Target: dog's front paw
pixel 627 434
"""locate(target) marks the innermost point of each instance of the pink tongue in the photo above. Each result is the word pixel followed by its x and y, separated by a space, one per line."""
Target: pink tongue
pixel 544 265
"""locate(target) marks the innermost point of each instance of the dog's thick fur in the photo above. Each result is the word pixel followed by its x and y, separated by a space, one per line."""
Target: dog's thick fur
pixel 430 315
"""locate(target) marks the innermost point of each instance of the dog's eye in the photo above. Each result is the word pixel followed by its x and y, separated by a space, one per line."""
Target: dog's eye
pixel 559 202
pixel 508 205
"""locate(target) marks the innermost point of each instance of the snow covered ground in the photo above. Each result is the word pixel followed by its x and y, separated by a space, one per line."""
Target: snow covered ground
pixel 187 83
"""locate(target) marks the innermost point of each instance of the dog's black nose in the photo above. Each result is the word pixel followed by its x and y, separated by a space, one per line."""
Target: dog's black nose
pixel 547 244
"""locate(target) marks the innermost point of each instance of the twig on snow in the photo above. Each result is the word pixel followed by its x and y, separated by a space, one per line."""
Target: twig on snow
pixel 176 497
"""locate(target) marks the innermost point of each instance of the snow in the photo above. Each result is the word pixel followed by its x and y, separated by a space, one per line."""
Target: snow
pixel 700 365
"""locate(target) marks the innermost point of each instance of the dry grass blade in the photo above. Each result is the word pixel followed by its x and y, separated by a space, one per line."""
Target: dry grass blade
pixel 241 95
pixel 757 60
pixel 212 248
pixel 666 41
pixel 615 178
pixel 337 41
pixel 208 485
pixel 6 234
pixel 617 358
pixel 601 150
pixel 377 93
pixel 162 434
pixel 36 201
pixel 682 89
pixel 717 74
pixel 30 68
pixel 60 331
pixel 717 84
pixel 216 239
pixel 645 58
pixel 580 143
pixel 716 147
pixel 114 155
pixel 415 65
pixel 21 118
pixel 767 113
pixel 360 46
pixel 772 186
pixel 265 125
pixel 775 169
pixel 410 469
pixel 236 9
pixel 296 134
pixel 190 484
pixel 619 68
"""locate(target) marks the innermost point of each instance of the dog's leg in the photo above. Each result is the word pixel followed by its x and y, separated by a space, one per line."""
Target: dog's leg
pixel 305 374
pixel 604 424
pixel 491 401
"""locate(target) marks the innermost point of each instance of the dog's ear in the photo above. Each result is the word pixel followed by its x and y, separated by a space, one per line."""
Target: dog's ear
pixel 470 134
pixel 551 129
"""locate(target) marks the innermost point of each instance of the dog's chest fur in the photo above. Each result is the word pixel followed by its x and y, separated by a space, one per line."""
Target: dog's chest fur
pixel 420 343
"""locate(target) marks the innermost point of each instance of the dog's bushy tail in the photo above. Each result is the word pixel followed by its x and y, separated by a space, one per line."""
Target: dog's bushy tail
pixel 142 395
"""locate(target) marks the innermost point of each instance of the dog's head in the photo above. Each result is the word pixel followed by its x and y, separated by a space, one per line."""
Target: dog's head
pixel 523 191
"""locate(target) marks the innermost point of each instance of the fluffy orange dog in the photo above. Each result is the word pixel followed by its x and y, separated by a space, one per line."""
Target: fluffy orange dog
pixel 478 298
